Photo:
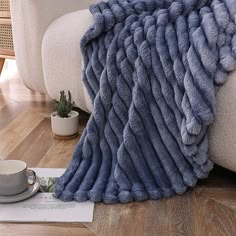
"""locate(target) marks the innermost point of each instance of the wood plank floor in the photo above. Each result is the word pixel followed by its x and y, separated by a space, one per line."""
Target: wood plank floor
pixel 25 131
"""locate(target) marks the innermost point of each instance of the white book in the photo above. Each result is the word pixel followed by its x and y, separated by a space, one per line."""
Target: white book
pixel 43 207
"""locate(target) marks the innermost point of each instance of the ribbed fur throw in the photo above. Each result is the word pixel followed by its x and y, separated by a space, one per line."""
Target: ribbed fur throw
pixel 152 69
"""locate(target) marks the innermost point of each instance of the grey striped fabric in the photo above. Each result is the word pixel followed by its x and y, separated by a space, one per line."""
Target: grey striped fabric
pixel 151 69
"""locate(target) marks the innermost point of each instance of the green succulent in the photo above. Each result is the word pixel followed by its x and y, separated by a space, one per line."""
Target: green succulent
pixel 64 106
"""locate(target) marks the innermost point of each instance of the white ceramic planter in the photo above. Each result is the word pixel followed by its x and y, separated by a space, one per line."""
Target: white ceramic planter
pixel 65 126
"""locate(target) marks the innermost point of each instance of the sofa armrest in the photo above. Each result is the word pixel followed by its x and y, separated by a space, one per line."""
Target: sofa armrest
pixel 30 19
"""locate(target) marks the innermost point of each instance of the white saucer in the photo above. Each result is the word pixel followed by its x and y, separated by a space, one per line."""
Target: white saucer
pixel 33 189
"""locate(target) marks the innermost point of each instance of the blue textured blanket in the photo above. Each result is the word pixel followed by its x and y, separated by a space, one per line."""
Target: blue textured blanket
pixel 151 69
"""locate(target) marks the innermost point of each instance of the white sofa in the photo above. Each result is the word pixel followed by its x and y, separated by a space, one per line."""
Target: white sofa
pixel 46 40
pixel 61 57
pixel 36 29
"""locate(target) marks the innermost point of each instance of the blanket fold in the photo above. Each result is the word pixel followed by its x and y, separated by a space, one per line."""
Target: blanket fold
pixel 152 69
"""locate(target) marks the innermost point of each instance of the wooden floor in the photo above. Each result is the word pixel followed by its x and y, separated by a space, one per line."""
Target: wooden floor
pixel 209 209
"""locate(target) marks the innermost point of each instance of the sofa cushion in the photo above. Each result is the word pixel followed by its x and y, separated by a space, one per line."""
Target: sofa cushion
pixel 61 57
pixel 222 133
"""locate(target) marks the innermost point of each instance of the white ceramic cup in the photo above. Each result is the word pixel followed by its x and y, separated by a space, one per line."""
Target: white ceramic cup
pixel 15 178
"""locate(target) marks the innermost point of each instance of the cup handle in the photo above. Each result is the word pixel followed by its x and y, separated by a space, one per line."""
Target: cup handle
pixel 31 177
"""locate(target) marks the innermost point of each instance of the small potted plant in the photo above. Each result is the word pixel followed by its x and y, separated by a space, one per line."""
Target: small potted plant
pixel 64 120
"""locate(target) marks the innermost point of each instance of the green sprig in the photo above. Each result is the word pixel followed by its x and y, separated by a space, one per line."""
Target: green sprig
pixel 63 106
